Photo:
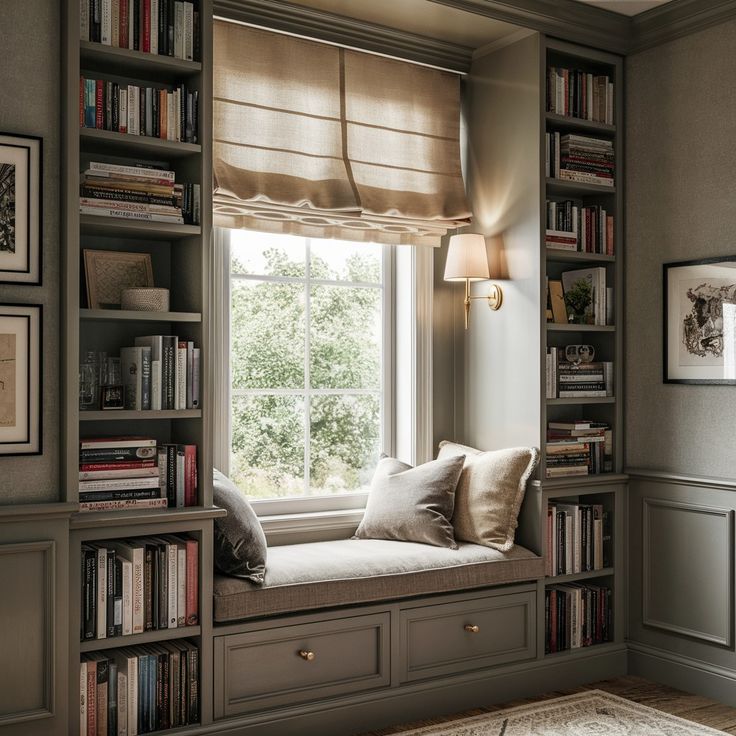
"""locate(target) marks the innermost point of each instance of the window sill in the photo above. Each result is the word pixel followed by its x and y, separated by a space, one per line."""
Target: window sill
pixel 310 527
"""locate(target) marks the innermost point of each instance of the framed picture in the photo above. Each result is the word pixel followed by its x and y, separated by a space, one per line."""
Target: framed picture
pixel 20 209
pixel 700 321
pixel 20 379
pixel 108 272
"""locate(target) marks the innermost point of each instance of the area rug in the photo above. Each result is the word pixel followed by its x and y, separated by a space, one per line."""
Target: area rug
pixel 592 713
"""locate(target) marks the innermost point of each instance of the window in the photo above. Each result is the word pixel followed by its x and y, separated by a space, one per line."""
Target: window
pixel 310 363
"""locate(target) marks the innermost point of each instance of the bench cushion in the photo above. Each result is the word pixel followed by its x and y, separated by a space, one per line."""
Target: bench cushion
pixel 350 571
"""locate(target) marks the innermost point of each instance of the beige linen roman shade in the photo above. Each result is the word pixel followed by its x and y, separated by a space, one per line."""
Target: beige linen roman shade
pixel 316 140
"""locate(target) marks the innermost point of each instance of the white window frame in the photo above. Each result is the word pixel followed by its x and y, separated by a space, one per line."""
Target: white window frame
pixel 406 360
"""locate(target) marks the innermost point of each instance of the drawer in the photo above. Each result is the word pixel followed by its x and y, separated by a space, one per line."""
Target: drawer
pixel 456 637
pixel 294 664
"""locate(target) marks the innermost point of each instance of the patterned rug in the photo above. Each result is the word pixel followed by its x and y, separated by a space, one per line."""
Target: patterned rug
pixel 592 713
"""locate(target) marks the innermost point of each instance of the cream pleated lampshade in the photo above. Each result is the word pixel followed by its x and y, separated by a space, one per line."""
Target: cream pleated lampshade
pixel 467 258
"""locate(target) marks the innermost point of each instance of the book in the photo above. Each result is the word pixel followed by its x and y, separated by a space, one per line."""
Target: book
pixel 136 370
pixel 116 505
pixel 119 484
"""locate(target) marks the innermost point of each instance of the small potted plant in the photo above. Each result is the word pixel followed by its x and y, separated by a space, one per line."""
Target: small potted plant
pixel 579 303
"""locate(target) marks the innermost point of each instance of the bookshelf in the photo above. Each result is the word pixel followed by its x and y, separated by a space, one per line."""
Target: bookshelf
pixel 607 490
pixel 180 255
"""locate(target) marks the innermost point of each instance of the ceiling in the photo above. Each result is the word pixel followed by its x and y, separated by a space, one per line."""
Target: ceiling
pixel 423 18
pixel 626 7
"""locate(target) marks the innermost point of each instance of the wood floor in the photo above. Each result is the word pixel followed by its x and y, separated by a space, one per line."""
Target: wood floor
pixel 691 707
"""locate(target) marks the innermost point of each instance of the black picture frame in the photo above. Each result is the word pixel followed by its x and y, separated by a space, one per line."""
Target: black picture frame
pixel 21 373
pixel 699 335
pixel 21 201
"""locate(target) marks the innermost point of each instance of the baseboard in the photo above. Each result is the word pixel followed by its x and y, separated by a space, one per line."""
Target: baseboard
pixel 691 675
pixel 344 716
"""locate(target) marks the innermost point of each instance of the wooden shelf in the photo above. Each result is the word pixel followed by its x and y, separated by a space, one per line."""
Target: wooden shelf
pixel 92 140
pixel 120 414
pixel 147 637
pixel 561 327
pixel 576 402
pixel 124 62
pixel 119 226
pixel 593 650
pixel 128 315
pixel 100 523
pixel 555 254
pixel 562 186
pixel 570 123
pixel 581 484
pixel 574 577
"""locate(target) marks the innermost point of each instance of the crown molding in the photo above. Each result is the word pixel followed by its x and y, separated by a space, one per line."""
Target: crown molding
pixel 302 21
pixel 678 19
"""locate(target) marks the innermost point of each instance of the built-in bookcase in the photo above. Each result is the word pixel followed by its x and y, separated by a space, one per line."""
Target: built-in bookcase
pixel 180 256
pixel 607 489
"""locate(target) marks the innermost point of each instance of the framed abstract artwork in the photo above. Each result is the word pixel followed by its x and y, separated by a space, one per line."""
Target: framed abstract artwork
pixel 20 379
pixel 700 321
pixel 20 209
pixel 109 272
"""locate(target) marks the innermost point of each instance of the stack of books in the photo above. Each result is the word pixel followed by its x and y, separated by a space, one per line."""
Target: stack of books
pixel 579 94
pixel 161 372
pixel 119 473
pixel 167 27
pixel 579 158
pixel 137 192
pixel 578 448
pixel 578 538
pixel 567 380
pixel 577 615
pixel 170 114
pixel 139 689
pixel 132 586
pixel 135 472
pixel 571 226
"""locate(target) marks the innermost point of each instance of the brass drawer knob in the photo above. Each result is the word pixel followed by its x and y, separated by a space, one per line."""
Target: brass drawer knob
pixel 306 655
pixel 471 628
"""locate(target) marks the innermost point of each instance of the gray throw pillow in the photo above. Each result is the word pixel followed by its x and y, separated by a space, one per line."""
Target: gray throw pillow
pixel 490 492
pixel 240 544
pixel 408 504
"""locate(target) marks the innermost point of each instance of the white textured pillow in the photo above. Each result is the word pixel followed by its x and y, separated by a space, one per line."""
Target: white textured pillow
pixel 490 492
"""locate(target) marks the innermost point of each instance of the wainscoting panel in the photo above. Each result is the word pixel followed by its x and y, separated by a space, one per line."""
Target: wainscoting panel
pixel 27 582
pixel 687 570
pixel 681 581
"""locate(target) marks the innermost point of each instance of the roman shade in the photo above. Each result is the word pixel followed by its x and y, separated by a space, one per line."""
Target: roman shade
pixel 316 140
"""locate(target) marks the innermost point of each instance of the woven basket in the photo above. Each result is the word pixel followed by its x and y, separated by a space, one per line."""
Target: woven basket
pixel 145 299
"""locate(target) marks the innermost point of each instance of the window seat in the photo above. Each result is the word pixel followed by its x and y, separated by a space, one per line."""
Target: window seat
pixel 301 577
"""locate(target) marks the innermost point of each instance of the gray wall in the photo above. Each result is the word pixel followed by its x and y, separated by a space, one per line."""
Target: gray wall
pixel 680 204
pixel 30 36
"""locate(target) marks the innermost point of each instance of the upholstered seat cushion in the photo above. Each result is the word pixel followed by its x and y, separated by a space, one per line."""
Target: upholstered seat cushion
pixel 344 572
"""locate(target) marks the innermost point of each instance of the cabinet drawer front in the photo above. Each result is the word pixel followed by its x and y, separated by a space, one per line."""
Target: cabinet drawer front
pixel 294 664
pixel 457 637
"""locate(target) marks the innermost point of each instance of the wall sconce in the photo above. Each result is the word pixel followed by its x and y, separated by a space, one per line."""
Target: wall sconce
pixel 467 261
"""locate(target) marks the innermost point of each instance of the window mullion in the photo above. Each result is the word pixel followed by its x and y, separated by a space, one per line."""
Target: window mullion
pixel 307 377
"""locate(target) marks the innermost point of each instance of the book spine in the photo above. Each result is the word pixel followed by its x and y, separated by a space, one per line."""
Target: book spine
pixel 126 582
pixel 118 484
pixel 192 584
pixel 89 608
pixel 147 503
pixel 181 585
pixel 122 704
pixel 83 696
pixel 171 465
pixel 138 171
pixel 106 23
pixel 162 586
pixel 101 625
pixel 133 689
pixel 154 26
pixel 180 476
pixel 92 698
pixel 84 20
pixel 149 584
pixel 127 495
pixel 128 215
pixel 189 373
pixel 138 590
pixel 181 375
pixel 102 696
pixel 142 472
pixel 190 475
pixel 196 358
pixel 172 584
pixel 156 385
pixel 169 372
pixel 110 612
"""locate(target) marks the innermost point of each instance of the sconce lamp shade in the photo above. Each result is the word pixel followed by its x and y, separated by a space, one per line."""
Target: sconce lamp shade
pixel 467 258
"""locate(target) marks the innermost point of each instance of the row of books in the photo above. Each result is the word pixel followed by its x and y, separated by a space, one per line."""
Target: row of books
pixel 167 27
pixel 578 538
pixel 138 192
pixel 137 585
pixel 580 296
pixel 169 114
pixel 161 372
pixel 573 227
pixel 579 94
pixel 136 472
pixel 579 158
pixel 577 615
pixel 578 448
pixel 567 380
pixel 139 689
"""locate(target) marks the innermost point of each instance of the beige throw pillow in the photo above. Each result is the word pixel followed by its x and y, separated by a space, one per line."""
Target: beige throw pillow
pixel 490 492
pixel 408 504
